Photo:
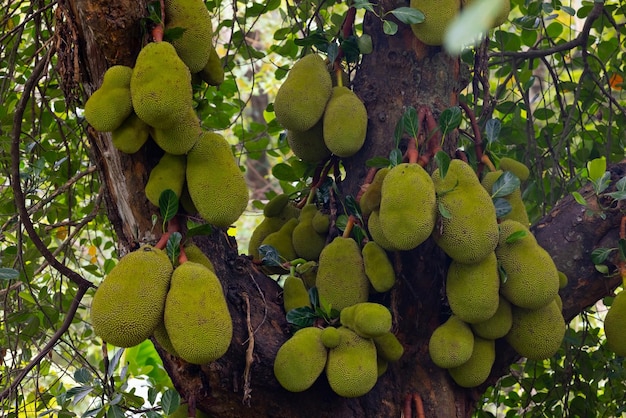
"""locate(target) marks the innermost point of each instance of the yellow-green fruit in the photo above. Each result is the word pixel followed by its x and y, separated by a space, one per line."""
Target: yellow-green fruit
pixel 128 305
pixel 518 209
pixel 281 240
pixel 509 164
pixel 407 206
pixel 308 273
pixel 110 105
pixel 367 319
pixel 451 343
pixel 196 317
pixel 321 222
pixel 160 86
pixel 345 122
pixel 341 279
pixel 275 206
pixel 437 17
pixel 300 360
pixel 468 232
pixel 388 347
pixel 194 43
pixel 160 335
pixel 169 173
pixel 180 137
pixel 216 184
pixel 301 99
pixel 378 268
pixel 185 200
pixel 130 136
pixel 532 280
pixel 472 289
pixel 615 325
pixel 537 334
pixel 500 12
pixel 195 254
pixel 562 280
pixel 370 199
pixel 307 243
pixel 475 370
pixel 351 367
pixel 330 337
pixel 213 71
pixel 183 412
pixel 309 145
pixel 295 294
pixel 376 232
pixel 269 225
pixel 559 302
pixel 498 325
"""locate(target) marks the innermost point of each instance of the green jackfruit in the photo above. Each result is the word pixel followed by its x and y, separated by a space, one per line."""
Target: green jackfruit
pixel 180 137
pixel 378 268
pixel 321 222
pixel 451 343
pixel 197 318
pixel 498 325
pixel 615 324
pixel 183 412
pixel 269 225
pixel 281 240
pixel 308 273
pixel 351 367
pixel 532 280
pixel 376 232
pixel 295 294
pixel 367 319
pixel 301 99
pixel 194 43
pixel 216 184
pixel 388 347
pixel 382 365
pixel 306 241
pixel 275 206
pixel 195 254
pixel 518 209
pixel 160 86
pixel 537 334
pixel 469 231
pixel 160 335
pixel 437 18
pixel 559 302
pixel 185 200
pixel 213 71
pixel 562 280
pixel 300 360
pixel 509 164
pixel 475 370
pixel 407 206
pixel 370 199
pixel 472 289
pixel 109 106
pixel 169 173
pixel 345 122
pixel 330 337
pixel 341 279
pixel 130 136
pixel 309 145
pixel 128 305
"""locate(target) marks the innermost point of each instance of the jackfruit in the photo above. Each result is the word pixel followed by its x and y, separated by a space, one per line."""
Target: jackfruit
pixel 295 294
pixel 300 360
pixel 196 317
pixel 160 86
pixel 407 206
pixel 269 225
pixel 216 184
pixel 559 302
pixel 308 273
pixel 160 335
pixel 213 71
pixel 451 343
pixel 532 280
pixel 309 145
pixel 195 254
pixel 370 199
pixel 169 173
pixel 388 347
pixel 367 319
pixel 301 99
pixel 475 370
pixel 345 122
pixel 275 206
pixel 321 222
pixel 520 170
pixel 281 240
pixel 130 136
pixel 330 337
pixel 437 18
pixel 615 324
pixel 498 325
pixel 562 280
pixel 128 305
pixel 472 289
pixel 194 43
pixel 469 231
pixel 376 232
pixel 351 367
pixel 185 200
pixel 180 137
pixel 341 279
pixel 109 106
pixel 518 209
pixel 537 334
pixel 307 243
pixel 378 268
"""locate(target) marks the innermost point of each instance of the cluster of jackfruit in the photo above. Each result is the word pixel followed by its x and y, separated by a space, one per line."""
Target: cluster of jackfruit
pixel 321 119
pixel 615 324
pixel 183 308
pixel 352 355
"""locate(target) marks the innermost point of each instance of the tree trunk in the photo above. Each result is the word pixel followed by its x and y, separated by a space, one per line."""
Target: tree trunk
pixel 400 72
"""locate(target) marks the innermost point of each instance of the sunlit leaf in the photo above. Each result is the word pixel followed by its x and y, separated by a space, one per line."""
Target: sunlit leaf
pixel 506 184
pixel 389 27
pixel 408 15
pixel 170 401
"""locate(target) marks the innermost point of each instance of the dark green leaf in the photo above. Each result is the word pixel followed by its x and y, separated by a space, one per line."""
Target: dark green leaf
pixel 168 204
pixel 622 248
pixel 506 184
pixel 408 15
pixel 359 234
pixel 353 207
pixel 204 229
pixel 411 123
pixel 445 213
pixel 115 411
pixel 579 198
pixel 378 162
pixel 301 317
pixel 285 172
pixel 398 132
pixel 443 162
pixel 8 273
pixel 172 34
pixel 389 27
pixel 503 207
pixel 172 248
pixel 314 297
pixel 599 255
pixel 492 130
pixel 170 401
pixel 365 44
pixel 342 222
pixel 83 375
pixel 269 256
pixel 363 4
pixel 515 236
pixel 113 363
pixel 395 157
pixel 450 119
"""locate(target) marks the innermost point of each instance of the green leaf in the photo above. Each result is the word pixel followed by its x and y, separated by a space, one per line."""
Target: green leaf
pixel 450 119
pixel 579 198
pixel 411 122
pixel 378 162
pixel 115 411
pixel 170 401
pixel 172 248
pixel 113 363
pixel 365 44
pixel 398 132
pixel 168 204
pixel 622 248
pixel 83 375
pixel 205 229
pixel 596 168
pixel 443 162
pixel 8 273
pixel 395 157
pixel 353 207
pixel 359 234
pixel 503 207
pixel 621 195
pixel 602 183
pixel 408 15
pixel 342 222
pixel 599 255
pixel 515 236
pixel 492 130
pixel 445 213
pixel 78 393
pixel 172 34
pixel 620 186
pixel 363 4
pixel 602 268
pixel 285 172
pixel 314 296
pixel 269 256
pixel 301 317
pixel 506 184
pixel 389 27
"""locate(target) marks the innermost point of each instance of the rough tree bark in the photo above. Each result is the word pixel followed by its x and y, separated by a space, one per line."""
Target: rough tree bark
pixel 400 72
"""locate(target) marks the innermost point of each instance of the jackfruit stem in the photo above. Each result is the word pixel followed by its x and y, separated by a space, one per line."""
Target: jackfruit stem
pixel 369 177
pixel 162 242
pixel 412 152
pixel 338 75
pixel 486 161
pixel 349 225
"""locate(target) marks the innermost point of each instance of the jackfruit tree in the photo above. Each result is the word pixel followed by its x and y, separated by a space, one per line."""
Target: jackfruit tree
pixel 428 208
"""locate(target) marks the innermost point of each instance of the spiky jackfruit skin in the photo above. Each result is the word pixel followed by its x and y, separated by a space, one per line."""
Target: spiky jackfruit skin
pixel 161 337
pixel 451 343
pixel 309 145
pixel 300 360
pixel 532 280
pixel 473 289
pixel 160 86
pixel 378 268
pixel 351 367
pixel 475 370
pixel 274 207
pixel 370 199
pixel 537 334
pixel 128 305
pixel 295 294
pixel 109 106
pixel 388 347
pixel 509 164
pixel 470 232
pixel 498 325
pixel 196 317
pixel 194 44
pixel 345 122
pixel 376 232
pixel 408 206
pixel 301 99
pixel 615 324
pixel 269 225
pixel 330 337
pixel 213 72
pixel 130 136
pixel 437 18
pixel 321 222
pixel 180 137
pixel 367 319
pixel 195 254
pixel 281 240
pixel 307 243
pixel 518 209
pixel 216 184
pixel 341 279
pixel 169 173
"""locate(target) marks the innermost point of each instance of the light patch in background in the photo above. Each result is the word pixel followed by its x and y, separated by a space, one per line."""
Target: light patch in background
pixel 470 26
